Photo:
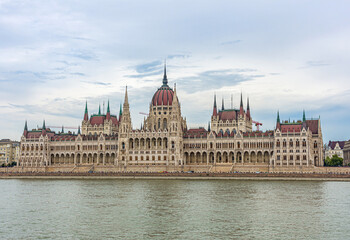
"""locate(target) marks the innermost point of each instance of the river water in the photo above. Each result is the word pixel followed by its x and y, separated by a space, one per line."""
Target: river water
pixel 174 209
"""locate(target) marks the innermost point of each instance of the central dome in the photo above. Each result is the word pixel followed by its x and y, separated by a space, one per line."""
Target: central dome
pixel 164 94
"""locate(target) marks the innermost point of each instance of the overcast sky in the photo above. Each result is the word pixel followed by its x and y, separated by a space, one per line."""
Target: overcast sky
pixel 284 55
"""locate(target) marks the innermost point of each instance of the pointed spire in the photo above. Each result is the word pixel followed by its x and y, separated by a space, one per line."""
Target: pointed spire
pixel 99 109
pixel 44 127
pixel 175 100
pixel 241 105
pixel 62 129
pixel 278 125
pixel 108 115
pixel 25 126
pixel 222 105
pixel 241 111
pixel 126 99
pixel 165 78
pixel 208 126
pixel 215 112
pixel 78 130
pixel 86 115
pixel 120 110
pixel 248 108
pixel 304 118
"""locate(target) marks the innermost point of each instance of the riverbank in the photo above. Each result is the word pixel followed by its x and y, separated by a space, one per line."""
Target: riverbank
pixel 183 176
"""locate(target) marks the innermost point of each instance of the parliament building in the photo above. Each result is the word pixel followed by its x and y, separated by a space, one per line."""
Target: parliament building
pixel 164 141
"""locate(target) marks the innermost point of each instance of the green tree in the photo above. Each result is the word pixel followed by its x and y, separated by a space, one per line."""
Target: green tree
pixel 334 161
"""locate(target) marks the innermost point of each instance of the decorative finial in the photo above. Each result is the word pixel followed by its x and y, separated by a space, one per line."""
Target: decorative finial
pixel 165 78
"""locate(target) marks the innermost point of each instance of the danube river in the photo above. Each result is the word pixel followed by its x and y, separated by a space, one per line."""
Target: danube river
pixel 174 209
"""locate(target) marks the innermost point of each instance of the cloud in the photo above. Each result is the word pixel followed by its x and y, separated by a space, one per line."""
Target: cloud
pixel 148 67
pixel 82 54
pixel 144 75
pixel 97 83
pixel 310 64
pixel 214 79
pixel 78 74
pixel 178 56
pixel 231 42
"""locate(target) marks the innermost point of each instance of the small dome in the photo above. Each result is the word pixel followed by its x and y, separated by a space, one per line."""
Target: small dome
pixel 163 96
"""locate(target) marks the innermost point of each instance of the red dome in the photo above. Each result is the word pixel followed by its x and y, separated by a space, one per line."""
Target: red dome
pixel 163 96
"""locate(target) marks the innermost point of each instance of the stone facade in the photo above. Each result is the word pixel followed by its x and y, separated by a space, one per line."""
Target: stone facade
pixel 164 140
pixel 346 153
pixel 9 151
pixel 334 148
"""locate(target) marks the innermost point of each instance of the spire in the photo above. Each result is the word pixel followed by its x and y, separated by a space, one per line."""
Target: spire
pixel 208 126
pixel 99 109
pixel 125 118
pixel 165 79
pixel 25 126
pixel 215 112
pixel 126 99
pixel 62 129
pixel 304 118
pixel 241 111
pixel 78 130
pixel 248 108
pixel 278 125
pixel 120 112
pixel 108 115
pixel 222 105
pixel 175 100
pixel 86 115
pixel 241 100
pixel 44 127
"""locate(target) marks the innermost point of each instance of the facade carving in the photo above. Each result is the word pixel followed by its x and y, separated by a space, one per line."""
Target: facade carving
pixel 164 140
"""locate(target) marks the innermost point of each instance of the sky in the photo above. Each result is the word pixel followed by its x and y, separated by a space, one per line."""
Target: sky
pixel 283 55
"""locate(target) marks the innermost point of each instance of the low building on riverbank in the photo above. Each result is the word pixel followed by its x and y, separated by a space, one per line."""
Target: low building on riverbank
pixel 334 148
pixel 346 153
pixel 9 151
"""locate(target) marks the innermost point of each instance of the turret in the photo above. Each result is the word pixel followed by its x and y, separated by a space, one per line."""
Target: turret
pixel 120 113
pixel 43 130
pixel 108 116
pixel 62 131
pixel 248 109
pixel 215 112
pixel 304 118
pixel 86 115
pixel 241 110
pixel 278 125
pixel 99 109
pixel 126 119
pixel 222 105
pixel 25 129
pixel 78 130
